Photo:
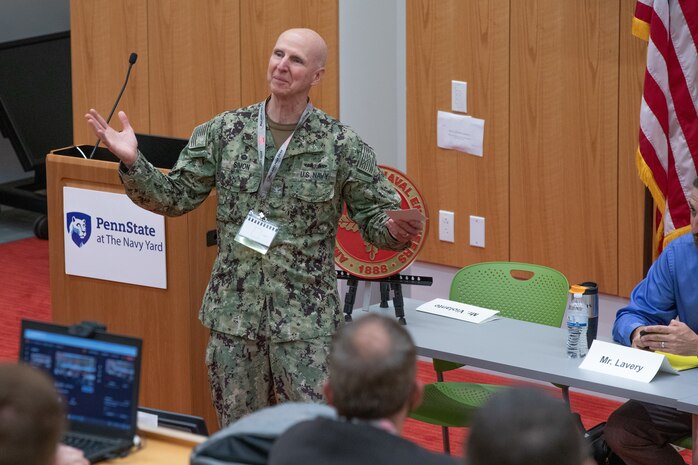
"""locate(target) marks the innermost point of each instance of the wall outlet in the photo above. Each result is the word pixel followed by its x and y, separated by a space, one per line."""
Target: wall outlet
pixel 477 231
pixel 446 226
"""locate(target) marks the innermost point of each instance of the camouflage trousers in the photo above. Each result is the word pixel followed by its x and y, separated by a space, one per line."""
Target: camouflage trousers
pixel 247 375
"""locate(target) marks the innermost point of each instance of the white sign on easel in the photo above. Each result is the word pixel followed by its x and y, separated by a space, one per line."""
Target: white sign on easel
pixel 107 236
pixel 626 362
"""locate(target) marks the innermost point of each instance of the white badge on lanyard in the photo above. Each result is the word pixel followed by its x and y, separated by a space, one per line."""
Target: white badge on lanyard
pixel 257 232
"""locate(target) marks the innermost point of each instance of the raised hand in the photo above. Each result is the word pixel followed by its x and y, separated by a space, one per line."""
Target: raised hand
pixel 122 144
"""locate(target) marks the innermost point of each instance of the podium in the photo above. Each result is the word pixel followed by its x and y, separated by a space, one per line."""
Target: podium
pixel 174 375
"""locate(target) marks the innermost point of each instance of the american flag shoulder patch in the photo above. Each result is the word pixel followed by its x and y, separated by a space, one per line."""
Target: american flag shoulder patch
pixel 198 136
pixel 367 163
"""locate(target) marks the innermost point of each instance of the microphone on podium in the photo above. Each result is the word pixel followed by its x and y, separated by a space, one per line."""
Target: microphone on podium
pixel 131 61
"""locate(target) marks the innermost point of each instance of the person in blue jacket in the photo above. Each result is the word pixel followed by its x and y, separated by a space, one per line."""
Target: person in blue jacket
pixel 662 316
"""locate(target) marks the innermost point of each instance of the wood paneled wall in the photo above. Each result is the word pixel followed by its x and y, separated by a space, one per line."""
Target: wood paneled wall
pixel 564 137
pixel 631 191
pixel 195 58
pixel 467 41
pixel 194 62
pixel 103 35
pixel 559 86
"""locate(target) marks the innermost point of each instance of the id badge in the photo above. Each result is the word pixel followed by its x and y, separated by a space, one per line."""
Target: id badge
pixel 257 232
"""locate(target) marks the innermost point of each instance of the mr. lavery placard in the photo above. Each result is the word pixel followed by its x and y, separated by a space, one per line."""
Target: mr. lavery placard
pixel 106 236
pixel 626 362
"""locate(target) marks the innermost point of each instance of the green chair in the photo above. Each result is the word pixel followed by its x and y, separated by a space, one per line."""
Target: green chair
pixel 685 443
pixel 518 290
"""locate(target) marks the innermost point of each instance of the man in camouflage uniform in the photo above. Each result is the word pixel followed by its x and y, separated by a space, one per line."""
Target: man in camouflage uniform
pixel 271 315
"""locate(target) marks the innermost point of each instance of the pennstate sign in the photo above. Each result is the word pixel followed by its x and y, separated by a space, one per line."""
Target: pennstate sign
pixel 106 236
pixel 366 261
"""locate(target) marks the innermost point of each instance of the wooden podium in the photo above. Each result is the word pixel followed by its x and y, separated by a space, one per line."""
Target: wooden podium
pixel 173 374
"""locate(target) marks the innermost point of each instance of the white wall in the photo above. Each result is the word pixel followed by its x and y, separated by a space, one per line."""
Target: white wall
pixel 20 19
pixel 372 84
pixel 372 89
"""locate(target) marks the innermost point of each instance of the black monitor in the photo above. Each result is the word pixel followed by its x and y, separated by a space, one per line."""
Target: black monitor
pixel 161 151
pixel 36 109
pixel 36 114
pixel 178 421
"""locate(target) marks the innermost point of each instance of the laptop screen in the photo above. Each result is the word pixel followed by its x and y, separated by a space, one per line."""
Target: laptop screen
pixel 97 376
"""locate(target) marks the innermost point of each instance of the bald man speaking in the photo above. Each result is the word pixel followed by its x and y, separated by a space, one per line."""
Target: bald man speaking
pixel 282 170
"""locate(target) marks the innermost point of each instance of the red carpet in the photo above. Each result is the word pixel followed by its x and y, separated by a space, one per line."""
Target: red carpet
pixel 24 290
pixel 24 293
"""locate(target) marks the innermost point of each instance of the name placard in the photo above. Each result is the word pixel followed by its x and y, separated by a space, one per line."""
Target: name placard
pixel 626 362
pixel 458 310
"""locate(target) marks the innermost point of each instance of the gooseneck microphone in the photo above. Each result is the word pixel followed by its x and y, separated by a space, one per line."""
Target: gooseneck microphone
pixel 131 61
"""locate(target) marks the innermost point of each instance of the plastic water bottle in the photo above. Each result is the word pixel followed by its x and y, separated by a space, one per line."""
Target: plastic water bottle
pixel 577 322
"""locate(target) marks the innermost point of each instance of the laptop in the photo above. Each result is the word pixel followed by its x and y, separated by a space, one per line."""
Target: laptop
pixel 97 374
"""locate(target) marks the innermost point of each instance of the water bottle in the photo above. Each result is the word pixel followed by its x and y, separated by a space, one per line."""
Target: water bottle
pixel 577 322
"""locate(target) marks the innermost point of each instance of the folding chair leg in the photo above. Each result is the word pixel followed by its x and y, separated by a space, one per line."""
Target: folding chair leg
pixel 447 444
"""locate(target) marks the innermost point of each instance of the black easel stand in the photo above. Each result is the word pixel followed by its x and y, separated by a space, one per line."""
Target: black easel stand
pixel 393 282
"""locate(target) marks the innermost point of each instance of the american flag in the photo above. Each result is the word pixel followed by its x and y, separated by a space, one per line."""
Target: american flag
pixel 668 150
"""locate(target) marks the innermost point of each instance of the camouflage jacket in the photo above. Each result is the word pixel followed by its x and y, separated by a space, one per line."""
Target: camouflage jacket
pixel 325 165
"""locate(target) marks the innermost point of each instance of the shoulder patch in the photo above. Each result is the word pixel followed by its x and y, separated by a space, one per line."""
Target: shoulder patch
pixel 198 136
pixel 367 161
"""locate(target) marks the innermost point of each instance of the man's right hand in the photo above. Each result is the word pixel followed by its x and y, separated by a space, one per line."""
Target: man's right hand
pixel 66 455
pixel 122 144
pixel 635 338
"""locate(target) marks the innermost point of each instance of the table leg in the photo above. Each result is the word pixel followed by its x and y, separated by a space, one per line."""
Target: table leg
pixel 694 436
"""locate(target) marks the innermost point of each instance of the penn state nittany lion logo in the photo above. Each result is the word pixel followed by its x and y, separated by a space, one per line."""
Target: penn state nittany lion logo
pixel 79 227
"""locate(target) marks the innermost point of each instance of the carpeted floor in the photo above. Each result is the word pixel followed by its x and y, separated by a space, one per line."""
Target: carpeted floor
pixel 24 290
pixel 24 293
pixel 592 409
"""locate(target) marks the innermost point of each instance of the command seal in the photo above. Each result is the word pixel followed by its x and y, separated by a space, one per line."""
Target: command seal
pixel 366 261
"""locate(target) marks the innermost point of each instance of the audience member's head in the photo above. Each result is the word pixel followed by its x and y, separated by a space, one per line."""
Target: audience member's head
pixel 525 426
pixel 31 416
pixel 373 364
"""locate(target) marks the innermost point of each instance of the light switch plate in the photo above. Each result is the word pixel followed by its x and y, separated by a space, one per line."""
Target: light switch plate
pixel 459 96
pixel 477 231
